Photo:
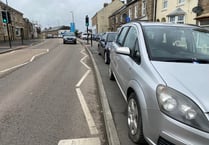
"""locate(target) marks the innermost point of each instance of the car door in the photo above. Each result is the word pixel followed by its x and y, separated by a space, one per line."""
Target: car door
pixel 127 64
pixel 115 56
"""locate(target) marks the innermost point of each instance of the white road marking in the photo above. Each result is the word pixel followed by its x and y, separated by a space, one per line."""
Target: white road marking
pixel 32 59
pixel 82 141
pixel 82 79
pixel 89 118
pixel 82 60
pixel 20 65
pixel 14 67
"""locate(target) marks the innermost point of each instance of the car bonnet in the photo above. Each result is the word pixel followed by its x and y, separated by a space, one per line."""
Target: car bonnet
pixel 188 78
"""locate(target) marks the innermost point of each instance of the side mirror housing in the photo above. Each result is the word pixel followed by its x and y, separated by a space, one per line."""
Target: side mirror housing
pixel 123 50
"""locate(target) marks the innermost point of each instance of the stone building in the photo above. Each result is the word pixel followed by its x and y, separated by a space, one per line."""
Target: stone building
pixel 100 21
pixel 18 28
pixel 133 10
pixel 202 11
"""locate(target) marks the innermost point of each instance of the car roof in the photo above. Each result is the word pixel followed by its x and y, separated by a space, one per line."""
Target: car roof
pixel 143 23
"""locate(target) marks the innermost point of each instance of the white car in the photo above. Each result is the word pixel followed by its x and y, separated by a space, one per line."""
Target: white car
pixel 84 36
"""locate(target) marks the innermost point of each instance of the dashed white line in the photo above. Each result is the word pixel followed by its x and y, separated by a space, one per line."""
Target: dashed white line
pixel 89 118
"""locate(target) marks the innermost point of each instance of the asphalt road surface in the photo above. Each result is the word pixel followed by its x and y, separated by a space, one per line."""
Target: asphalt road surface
pixel 48 96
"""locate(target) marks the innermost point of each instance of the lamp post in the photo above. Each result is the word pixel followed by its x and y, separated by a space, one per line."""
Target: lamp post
pixel 72 24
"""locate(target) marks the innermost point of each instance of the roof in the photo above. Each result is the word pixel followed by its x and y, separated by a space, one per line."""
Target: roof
pixel 177 12
pixel 203 16
pixel 119 10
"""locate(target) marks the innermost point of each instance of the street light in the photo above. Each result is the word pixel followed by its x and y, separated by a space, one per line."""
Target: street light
pixel 72 25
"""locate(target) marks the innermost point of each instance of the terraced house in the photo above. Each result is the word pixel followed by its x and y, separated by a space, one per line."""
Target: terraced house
pixel 18 26
pixel 176 11
pixel 133 10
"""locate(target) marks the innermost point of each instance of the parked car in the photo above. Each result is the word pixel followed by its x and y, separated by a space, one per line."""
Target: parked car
pixel 69 38
pixel 104 45
pixel 162 71
pixel 84 36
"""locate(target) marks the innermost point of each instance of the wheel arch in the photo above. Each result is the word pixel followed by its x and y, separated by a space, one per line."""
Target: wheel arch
pixel 135 87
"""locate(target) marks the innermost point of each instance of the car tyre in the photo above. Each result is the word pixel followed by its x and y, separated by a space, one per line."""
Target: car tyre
pixel 135 125
pixel 110 73
pixel 106 58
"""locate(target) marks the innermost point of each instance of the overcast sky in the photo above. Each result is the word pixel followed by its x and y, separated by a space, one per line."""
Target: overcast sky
pixel 50 13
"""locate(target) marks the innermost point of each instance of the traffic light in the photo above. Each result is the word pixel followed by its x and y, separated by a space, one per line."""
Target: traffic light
pixel 87 20
pixel 4 17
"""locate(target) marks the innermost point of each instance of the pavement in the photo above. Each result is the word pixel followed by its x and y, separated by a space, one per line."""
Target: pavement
pixel 17 44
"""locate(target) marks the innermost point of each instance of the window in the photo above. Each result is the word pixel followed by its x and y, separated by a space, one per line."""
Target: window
pixel 181 1
pixel 165 4
pixel 131 42
pixel 143 7
pixel 130 13
pixel 135 11
pixel 18 31
pixel 172 19
pixel 176 19
pixel 180 19
pixel 121 36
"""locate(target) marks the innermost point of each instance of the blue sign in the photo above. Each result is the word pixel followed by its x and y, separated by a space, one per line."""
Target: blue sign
pixel 128 19
pixel 72 27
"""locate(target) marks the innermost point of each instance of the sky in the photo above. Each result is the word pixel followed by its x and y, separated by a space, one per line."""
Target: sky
pixel 51 13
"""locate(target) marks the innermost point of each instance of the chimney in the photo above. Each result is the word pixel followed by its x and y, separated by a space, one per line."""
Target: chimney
pixel 105 4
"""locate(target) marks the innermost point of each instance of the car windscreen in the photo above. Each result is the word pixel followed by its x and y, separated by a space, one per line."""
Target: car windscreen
pixel 111 37
pixel 177 44
pixel 69 34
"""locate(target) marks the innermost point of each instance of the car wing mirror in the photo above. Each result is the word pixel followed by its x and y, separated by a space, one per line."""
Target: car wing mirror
pixel 123 50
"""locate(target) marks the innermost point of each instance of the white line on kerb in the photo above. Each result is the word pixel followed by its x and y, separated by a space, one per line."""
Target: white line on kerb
pixel 89 118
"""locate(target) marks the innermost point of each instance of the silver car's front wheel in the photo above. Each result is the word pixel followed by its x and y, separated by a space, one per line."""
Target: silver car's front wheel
pixel 135 120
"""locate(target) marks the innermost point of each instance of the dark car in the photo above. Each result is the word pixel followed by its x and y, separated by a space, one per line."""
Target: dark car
pixel 69 38
pixel 104 45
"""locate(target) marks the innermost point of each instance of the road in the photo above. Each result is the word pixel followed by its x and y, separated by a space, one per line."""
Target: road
pixel 49 97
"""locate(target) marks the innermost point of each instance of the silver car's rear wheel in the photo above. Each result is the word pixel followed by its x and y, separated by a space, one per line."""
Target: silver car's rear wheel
pixel 135 120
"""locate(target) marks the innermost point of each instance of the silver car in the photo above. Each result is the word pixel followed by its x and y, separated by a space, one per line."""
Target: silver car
pixel 162 71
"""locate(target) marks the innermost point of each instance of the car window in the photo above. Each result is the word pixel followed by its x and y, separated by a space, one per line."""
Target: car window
pixel 111 37
pixel 183 45
pixel 121 36
pixel 130 40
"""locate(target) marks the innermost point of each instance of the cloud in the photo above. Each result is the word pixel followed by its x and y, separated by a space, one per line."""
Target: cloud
pixel 58 12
